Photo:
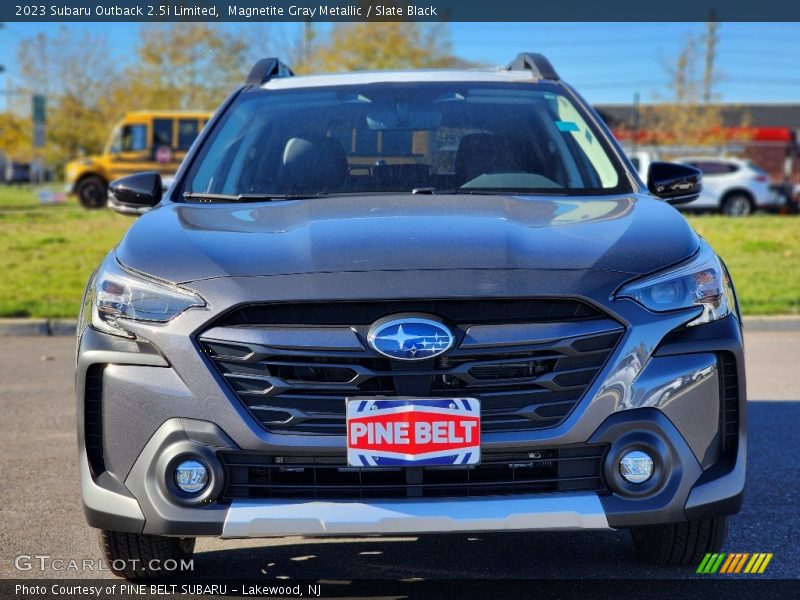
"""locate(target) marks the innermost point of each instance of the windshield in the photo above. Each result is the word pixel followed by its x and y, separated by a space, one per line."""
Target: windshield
pixel 114 140
pixel 388 137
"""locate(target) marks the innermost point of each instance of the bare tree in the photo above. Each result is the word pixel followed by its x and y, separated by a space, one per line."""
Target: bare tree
pixel 690 116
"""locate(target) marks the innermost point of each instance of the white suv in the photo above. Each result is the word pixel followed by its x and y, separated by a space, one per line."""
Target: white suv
pixel 734 186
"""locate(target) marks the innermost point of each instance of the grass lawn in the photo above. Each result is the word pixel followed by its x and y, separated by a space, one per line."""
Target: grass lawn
pixel 48 252
pixel 763 255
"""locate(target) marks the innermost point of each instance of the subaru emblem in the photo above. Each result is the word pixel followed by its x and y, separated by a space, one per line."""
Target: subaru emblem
pixel 410 338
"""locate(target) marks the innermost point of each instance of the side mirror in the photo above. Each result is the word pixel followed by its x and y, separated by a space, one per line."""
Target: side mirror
pixel 135 194
pixel 674 182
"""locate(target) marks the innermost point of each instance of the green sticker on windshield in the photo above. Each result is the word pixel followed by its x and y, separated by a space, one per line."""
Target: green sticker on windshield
pixel 567 125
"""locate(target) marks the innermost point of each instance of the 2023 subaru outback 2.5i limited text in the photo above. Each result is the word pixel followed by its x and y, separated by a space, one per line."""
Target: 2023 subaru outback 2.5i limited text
pixel 409 302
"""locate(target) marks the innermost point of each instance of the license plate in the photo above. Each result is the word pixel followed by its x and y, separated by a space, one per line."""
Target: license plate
pixel 413 432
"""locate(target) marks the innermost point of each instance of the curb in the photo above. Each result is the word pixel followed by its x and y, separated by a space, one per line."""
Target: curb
pixel 28 327
pixel 62 327
pixel 772 323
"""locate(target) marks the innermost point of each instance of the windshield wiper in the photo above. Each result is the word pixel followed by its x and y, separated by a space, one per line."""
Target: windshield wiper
pixel 515 192
pixel 207 197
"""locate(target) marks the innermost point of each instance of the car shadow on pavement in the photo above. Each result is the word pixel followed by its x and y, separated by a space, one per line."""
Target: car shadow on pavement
pixel 531 555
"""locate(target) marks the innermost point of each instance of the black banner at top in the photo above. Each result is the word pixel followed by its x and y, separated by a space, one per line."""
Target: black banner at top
pixel 398 10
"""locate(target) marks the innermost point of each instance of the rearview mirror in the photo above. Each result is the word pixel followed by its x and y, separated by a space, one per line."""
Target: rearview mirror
pixel 135 194
pixel 674 182
pixel 404 119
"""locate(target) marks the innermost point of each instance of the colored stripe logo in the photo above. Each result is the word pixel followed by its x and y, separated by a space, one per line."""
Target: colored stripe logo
pixel 734 562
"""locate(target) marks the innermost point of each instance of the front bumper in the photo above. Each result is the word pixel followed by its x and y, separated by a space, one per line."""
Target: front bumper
pixel 679 490
pixel 247 518
pixel 660 390
pixel 770 200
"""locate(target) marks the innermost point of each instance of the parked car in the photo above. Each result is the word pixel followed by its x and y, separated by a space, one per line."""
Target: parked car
pixel 641 160
pixel 17 172
pixel 141 141
pixel 732 186
pixel 409 302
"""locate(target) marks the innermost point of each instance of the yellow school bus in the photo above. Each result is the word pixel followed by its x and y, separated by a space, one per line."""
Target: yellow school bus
pixel 142 141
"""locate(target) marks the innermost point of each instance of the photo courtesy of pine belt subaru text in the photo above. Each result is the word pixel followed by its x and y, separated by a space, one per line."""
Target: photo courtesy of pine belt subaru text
pixel 404 303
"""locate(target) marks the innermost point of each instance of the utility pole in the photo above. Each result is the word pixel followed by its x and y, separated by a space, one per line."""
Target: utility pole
pixel 711 50
pixel 635 124
pixel 308 36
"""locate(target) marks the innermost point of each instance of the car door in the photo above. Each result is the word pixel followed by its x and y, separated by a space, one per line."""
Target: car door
pixel 163 156
pixel 132 155
pixel 715 174
pixel 176 137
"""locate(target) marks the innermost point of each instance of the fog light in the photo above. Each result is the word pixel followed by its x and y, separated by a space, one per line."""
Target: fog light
pixel 191 476
pixel 636 466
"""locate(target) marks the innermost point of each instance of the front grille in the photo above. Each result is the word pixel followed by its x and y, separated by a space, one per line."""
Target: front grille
pixel 528 361
pixel 258 475
pixel 729 392
pixel 482 311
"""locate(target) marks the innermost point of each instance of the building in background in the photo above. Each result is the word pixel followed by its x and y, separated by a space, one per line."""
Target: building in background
pixel 769 138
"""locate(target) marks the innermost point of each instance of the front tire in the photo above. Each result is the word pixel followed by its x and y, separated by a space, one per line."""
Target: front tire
pixel 680 543
pixel 737 204
pixel 137 556
pixel 92 192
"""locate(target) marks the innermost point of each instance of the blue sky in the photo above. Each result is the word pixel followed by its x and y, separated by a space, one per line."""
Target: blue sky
pixel 607 62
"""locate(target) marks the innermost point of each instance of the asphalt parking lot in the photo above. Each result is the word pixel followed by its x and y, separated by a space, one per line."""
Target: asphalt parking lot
pixel 41 512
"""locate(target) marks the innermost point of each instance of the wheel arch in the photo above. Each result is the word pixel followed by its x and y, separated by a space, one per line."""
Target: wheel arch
pixel 738 190
pixel 84 176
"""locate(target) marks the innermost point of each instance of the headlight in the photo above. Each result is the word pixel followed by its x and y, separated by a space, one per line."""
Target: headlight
pixel 118 295
pixel 702 281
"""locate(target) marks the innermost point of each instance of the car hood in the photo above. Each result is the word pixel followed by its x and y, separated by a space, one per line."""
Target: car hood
pixel 628 234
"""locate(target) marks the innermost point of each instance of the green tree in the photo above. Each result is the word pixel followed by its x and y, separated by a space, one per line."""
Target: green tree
pixel 185 66
pixel 15 136
pixel 175 66
pixel 74 70
pixel 392 45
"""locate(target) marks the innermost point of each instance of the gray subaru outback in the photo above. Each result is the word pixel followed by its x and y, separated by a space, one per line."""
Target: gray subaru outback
pixel 408 302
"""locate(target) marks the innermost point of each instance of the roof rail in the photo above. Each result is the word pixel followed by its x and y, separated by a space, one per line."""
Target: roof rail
pixel 536 63
pixel 265 69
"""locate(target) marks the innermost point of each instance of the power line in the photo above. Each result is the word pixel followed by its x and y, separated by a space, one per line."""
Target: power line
pixel 617 84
